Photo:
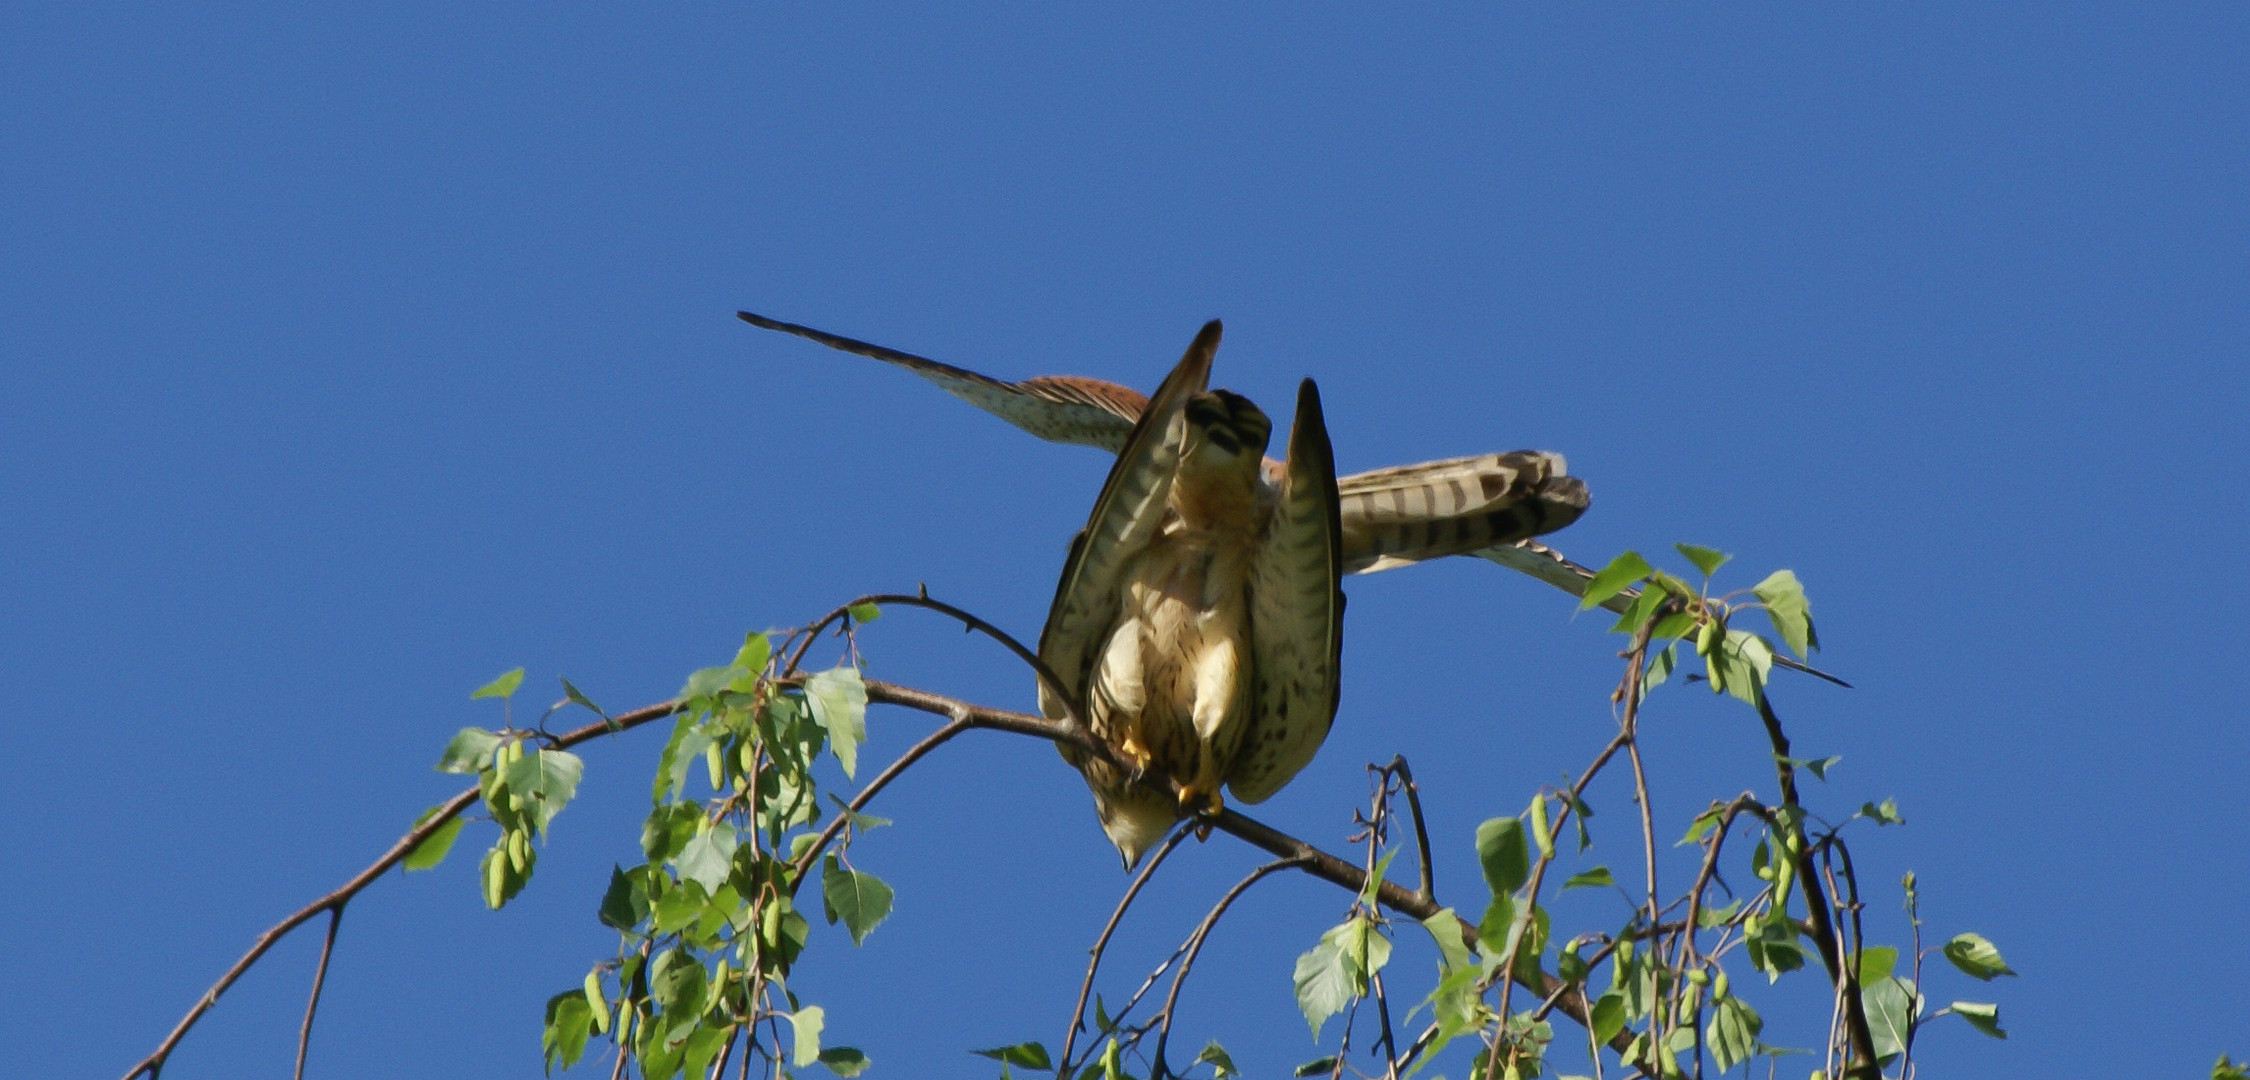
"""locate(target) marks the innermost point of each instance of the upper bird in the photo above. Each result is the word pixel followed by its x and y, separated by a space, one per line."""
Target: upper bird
pixel 1199 617
pixel 1391 517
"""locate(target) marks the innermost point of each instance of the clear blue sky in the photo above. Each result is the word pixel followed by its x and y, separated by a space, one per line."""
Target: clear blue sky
pixel 347 360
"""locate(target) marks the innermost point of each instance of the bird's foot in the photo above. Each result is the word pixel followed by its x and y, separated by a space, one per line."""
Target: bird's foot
pixel 1132 750
pixel 1195 801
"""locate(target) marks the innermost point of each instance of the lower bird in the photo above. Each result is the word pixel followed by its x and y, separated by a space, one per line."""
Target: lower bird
pixel 1199 618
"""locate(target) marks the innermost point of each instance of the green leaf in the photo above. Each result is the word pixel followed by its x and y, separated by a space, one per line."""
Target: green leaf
pixel 668 829
pixel 433 848
pixel 1788 609
pixel 1983 1016
pixel 1643 606
pixel 1707 560
pixel 1875 963
pixel 679 984
pixel 1773 947
pixel 1326 977
pixel 1374 882
pixel 469 750
pixel 1216 1056
pixel 1660 665
pixel 623 903
pixel 1608 1016
pixel 1030 1055
pixel 1739 664
pixel 1612 579
pixel 545 780
pixel 1597 877
pixel 838 698
pixel 1976 956
pixel 702 1045
pixel 1819 767
pixel 804 1035
pixel 1445 929
pixel 1492 929
pixel 2226 1068
pixel 1885 813
pixel 860 822
pixel 1733 1032
pixel 672 763
pixel 709 857
pixel 865 612
pixel 504 686
pixel 756 649
pixel 861 900
pixel 1701 825
pixel 845 1061
pixel 569 1022
pixel 1503 855
pixel 680 907
pixel 1315 1067
pixel 1892 1007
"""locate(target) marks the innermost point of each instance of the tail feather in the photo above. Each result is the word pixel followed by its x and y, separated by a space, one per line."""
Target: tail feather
pixel 1401 515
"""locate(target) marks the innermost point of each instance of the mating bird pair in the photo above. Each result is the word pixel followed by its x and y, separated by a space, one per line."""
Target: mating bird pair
pixel 1199 619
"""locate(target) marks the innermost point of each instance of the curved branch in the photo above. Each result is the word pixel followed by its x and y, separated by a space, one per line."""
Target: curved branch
pixel 1039 668
pixel 1195 945
pixel 1094 962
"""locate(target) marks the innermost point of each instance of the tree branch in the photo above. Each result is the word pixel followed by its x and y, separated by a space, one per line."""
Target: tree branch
pixel 1195 945
pixel 1101 944
pixel 320 977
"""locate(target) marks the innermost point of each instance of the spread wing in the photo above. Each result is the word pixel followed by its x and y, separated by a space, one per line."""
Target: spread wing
pixel 1126 517
pixel 1392 517
pixel 1058 408
pixel 1296 614
pixel 1408 513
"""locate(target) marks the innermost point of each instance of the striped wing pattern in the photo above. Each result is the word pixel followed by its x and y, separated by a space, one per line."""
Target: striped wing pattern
pixel 1296 615
pixel 1126 516
pixel 1408 513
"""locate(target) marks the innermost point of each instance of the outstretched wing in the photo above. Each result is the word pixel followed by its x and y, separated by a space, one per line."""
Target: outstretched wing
pixel 1058 408
pixel 1408 513
pixel 1392 517
pixel 1126 517
pixel 1296 615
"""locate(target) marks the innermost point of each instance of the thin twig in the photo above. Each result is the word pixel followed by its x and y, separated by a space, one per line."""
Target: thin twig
pixel 1421 829
pixel 1094 961
pixel 1039 668
pixel 320 978
pixel 1195 945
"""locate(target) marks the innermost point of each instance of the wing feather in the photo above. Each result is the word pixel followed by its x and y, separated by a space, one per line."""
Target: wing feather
pixel 1126 517
pixel 1058 408
pixel 1296 615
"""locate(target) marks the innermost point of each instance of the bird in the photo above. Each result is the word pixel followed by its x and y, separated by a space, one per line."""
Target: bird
pixel 1199 616
pixel 1198 620
pixel 1488 504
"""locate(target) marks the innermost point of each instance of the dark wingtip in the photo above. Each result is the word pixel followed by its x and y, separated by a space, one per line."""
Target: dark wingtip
pixel 1208 337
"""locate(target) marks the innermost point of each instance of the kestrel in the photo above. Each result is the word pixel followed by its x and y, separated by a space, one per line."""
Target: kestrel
pixel 1199 616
